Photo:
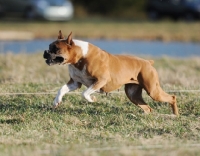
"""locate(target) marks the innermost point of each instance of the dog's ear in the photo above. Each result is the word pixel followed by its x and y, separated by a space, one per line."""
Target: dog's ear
pixel 60 35
pixel 69 39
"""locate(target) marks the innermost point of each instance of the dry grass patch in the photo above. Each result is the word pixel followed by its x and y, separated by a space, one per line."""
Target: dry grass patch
pixel 165 31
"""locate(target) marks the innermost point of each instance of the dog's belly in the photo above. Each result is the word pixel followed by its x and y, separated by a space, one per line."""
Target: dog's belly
pixel 81 76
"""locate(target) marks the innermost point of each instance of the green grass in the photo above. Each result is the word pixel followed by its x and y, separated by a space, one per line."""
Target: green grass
pixel 111 126
pixel 110 29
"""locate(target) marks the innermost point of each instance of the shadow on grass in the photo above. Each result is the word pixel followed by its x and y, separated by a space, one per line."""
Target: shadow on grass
pixel 10 121
pixel 79 108
pixel 97 109
pixel 33 104
pixel 22 107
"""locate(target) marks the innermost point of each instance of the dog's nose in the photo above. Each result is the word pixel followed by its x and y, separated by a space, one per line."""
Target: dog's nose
pixel 46 54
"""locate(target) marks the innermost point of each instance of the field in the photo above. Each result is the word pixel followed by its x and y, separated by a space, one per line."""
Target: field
pixel 109 29
pixel 111 126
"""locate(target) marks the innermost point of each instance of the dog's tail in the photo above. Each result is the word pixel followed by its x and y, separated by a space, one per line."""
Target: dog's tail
pixel 151 61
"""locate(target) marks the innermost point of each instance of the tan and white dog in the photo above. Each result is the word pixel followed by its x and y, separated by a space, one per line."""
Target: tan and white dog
pixel 100 71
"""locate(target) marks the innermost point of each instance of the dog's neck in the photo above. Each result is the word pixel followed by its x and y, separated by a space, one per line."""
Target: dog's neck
pixel 78 58
pixel 88 51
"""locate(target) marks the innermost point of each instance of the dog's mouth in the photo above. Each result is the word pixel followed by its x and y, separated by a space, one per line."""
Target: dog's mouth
pixel 52 59
pixel 57 60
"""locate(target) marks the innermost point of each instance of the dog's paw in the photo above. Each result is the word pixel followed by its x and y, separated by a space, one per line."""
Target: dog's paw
pixel 94 99
pixel 55 106
pixel 56 103
pixel 90 98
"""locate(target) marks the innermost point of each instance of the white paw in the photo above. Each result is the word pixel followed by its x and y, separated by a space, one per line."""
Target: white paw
pixel 56 103
pixel 94 99
pixel 89 98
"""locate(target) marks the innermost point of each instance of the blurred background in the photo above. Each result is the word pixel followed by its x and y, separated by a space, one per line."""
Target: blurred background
pixel 62 10
pixel 145 27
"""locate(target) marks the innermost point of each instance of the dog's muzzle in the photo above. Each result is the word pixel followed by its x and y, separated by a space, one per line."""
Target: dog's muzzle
pixel 52 58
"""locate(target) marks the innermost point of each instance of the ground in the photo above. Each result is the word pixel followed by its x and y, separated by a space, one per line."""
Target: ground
pixel 111 126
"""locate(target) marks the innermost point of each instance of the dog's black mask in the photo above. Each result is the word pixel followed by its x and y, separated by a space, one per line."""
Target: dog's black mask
pixel 52 58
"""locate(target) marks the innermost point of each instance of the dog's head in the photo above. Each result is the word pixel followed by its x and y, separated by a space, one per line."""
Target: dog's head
pixel 61 51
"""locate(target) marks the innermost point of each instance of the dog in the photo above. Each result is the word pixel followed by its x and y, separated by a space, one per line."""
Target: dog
pixel 101 71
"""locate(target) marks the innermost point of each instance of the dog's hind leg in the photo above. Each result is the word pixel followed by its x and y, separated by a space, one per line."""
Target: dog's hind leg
pixel 156 93
pixel 134 93
pixel 150 83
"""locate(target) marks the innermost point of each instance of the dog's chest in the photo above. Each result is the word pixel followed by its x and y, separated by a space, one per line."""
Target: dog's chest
pixel 81 75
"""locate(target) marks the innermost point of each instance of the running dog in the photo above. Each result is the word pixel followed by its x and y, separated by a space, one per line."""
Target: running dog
pixel 101 71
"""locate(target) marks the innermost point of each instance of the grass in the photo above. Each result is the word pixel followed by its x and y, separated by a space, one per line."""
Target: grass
pixel 101 28
pixel 111 126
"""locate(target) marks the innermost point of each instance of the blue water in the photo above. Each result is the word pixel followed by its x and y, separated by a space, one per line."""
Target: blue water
pixel 150 48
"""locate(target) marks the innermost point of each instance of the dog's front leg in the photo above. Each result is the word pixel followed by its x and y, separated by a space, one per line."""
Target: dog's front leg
pixel 94 87
pixel 70 86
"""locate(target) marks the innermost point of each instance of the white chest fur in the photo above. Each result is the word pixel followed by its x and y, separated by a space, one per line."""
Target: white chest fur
pixel 81 75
